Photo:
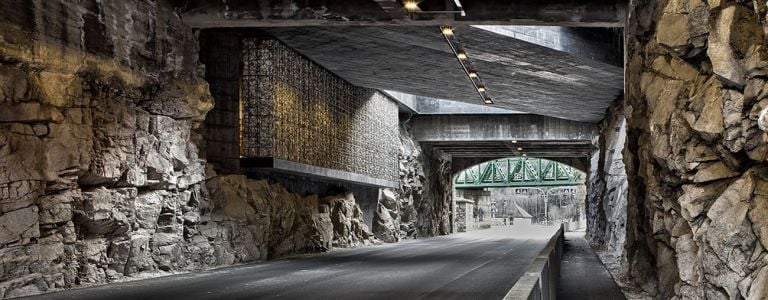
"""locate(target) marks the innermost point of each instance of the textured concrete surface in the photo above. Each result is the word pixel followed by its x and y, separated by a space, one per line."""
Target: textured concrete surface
pixel 433 106
pixel 286 166
pixel 583 276
pixel 600 44
pixel 478 136
pixel 248 13
pixel 479 265
pixel 417 60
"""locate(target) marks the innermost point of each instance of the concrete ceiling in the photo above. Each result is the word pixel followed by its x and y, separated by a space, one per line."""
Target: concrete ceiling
pixel 416 59
pixel 249 13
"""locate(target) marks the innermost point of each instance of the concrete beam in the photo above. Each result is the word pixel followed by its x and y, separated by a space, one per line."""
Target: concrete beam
pixel 248 13
pixel 473 139
pixel 446 128
pixel 433 106
pixel 294 168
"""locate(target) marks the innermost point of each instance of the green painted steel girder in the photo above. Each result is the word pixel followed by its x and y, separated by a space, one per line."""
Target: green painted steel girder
pixel 518 172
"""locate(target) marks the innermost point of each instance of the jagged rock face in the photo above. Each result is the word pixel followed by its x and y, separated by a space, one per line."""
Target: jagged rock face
pixel 421 205
pixel 387 222
pixel 396 214
pixel 697 149
pixel 607 196
pixel 99 174
pixel 254 220
pixel 100 177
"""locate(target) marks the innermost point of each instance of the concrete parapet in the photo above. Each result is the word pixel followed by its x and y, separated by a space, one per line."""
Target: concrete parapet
pixel 540 279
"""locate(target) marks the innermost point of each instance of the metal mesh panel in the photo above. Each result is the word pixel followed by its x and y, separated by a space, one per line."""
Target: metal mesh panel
pixel 296 110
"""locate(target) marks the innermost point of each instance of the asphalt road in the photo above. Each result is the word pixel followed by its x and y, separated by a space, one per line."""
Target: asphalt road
pixel 476 265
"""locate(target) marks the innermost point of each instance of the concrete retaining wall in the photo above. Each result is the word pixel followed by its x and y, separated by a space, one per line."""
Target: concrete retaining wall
pixel 540 279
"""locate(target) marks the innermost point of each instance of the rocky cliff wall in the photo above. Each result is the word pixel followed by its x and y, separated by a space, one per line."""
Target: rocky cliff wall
pixel 697 148
pixel 607 195
pixel 97 141
pixel 421 205
pixel 101 178
pixel 249 220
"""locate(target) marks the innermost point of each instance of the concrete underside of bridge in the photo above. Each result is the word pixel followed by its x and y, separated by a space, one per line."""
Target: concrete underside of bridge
pixel 123 125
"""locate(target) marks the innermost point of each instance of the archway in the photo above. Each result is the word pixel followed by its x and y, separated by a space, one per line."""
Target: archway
pixel 519 190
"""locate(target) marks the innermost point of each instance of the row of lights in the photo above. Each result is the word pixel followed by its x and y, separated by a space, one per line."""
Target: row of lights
pixel 412 6
pixel 519 148
pixel 461 55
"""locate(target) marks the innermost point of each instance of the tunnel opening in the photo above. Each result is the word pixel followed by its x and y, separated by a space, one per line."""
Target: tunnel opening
pixel 520 191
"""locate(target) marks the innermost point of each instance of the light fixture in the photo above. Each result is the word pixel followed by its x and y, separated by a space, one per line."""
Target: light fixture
pixel 411 5
pixel 514 141
pixel 519 148
pixel 525 154
pixel 461 55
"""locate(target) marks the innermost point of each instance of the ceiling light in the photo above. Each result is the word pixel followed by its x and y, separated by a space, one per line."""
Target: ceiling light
pixel 525 154
pixel 481 88
pixel 519 148
pixel 514 141
pixel 411 5
pixel 488 101
pixel 447 30
pixel 461 55
pixel 472 74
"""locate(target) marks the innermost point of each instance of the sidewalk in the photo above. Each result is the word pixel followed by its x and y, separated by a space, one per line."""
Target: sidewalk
pixel 582 274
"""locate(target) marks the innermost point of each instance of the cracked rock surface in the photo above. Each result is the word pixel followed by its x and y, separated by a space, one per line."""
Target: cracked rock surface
pixel 696 154
pixel 100 174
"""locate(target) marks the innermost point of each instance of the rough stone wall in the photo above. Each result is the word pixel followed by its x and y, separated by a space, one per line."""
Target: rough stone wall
pixel 607 195
pixel 97 131
pixel 249 220
pixel 697 147
pixel 435 210
pixel 421 205
pixel 366 197
pixel 294 109
pixel 100 174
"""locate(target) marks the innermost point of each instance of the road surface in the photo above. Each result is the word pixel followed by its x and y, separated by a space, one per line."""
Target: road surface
pixel 475 265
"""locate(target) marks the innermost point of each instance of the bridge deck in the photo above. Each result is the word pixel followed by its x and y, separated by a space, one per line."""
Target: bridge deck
pixel 479 265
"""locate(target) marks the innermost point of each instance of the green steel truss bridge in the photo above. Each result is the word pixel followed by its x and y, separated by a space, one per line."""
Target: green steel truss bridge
pixel 518 172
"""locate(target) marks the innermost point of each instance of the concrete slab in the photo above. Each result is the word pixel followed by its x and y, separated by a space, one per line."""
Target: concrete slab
pixel 261 164
pixel 520 76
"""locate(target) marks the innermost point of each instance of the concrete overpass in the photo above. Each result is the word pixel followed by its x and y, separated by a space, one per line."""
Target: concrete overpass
pixel 472 139
pixel 244 13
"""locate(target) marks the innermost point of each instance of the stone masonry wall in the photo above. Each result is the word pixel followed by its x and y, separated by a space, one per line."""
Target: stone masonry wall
pixel 697 148
pixel 101 178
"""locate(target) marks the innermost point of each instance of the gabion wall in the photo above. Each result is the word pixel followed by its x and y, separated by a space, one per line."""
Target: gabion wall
pixel 296 110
